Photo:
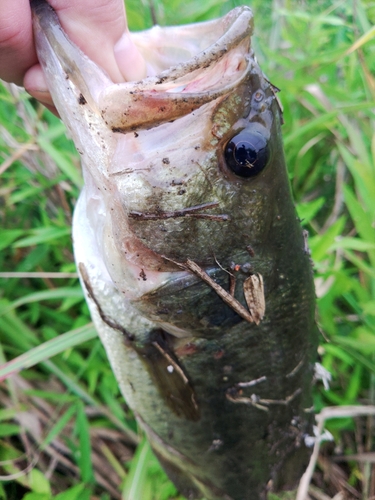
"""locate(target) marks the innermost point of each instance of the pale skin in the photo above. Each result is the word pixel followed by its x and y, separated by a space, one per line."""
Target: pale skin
pixel 98 27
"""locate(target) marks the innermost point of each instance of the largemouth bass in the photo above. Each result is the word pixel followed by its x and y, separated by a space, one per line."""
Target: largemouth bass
pixel 190 252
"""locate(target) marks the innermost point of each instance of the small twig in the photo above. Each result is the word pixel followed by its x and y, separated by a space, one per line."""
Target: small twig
pixel 295 369
pixel 184 212
pixel 283 402
pixel 253 401
pixel 223 294
pixel 259 403
pixel 252 382
pixel 232 278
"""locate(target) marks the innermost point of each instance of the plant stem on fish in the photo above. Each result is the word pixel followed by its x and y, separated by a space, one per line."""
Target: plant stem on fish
pixel 190 252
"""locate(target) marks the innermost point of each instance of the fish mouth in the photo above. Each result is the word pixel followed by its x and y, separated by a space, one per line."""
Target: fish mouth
pixel 194 65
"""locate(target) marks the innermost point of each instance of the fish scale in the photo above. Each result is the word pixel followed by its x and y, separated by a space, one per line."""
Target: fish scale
pixel 190 253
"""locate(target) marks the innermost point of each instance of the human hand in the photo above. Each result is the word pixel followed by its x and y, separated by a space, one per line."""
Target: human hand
pixel 98 27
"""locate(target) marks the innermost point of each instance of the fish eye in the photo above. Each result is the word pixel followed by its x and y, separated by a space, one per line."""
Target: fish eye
pixel 247 153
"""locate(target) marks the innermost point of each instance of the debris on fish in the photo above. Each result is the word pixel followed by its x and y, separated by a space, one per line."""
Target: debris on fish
pixel 190 252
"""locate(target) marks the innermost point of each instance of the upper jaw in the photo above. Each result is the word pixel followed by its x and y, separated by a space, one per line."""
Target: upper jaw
pixel 194 65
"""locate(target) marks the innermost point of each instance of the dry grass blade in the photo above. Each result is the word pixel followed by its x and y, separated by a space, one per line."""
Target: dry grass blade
pixel 362 40
pixel 327 414
pixel 17 155
pixel 56 455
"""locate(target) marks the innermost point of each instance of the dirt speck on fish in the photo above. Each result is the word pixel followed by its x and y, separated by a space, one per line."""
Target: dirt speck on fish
pixel 190 253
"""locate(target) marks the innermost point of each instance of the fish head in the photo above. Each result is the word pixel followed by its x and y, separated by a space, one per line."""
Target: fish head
pixel 186 163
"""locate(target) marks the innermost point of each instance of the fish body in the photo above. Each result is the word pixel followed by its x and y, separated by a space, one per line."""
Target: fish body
pixel 190 252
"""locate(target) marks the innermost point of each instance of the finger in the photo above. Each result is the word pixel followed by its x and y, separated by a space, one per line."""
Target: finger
pixel 129 61
pixel 36 85
pixel 97 27
pixel 17 52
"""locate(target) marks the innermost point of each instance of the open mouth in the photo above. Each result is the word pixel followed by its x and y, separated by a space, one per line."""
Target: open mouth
pixel 193 64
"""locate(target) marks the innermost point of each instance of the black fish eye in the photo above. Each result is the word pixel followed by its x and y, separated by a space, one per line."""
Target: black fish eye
pixel 247 153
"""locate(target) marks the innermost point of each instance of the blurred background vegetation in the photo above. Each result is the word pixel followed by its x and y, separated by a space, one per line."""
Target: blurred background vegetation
pixel 65 431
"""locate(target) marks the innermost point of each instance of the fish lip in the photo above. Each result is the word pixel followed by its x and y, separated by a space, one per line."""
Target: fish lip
pixel 69 61
pixel 171 94
pixel 238 24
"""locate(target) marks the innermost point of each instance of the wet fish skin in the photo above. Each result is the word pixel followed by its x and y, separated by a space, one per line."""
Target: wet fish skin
pixel 225 402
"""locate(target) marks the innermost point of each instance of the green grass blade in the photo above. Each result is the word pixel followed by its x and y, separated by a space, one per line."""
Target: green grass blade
pixel 64 164
pixel 84 452
pixel 58 293
pixel 136 486
pixel 48 349
pixel 42 235
pixel 59 426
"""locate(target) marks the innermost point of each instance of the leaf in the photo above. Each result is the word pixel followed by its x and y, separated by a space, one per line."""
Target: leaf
pixel 39 483
pixel 320 244
pixel 36 496
pixel 253 290
pixel 74 493
pixel 9 429
pixel 307 211
pixel 3 495
pixel 8 236
pixel 8 413
pixel 369 308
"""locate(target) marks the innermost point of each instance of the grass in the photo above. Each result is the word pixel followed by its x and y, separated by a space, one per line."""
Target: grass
pixel 65 431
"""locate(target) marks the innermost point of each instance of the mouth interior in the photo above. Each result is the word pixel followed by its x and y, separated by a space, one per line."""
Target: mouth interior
pixel 166 47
